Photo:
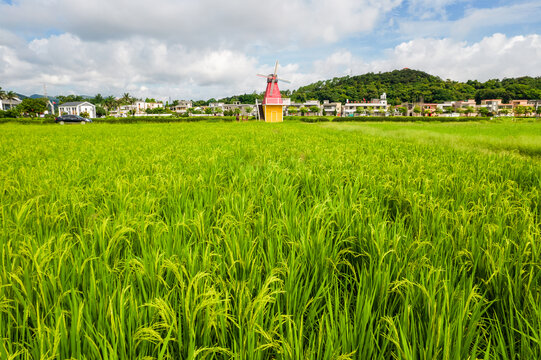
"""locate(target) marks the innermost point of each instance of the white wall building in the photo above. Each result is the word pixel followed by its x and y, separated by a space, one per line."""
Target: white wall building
pixel 78 107
pixel 331 108
pixel 379 107
pixel 182 106
pixel 8 104
pixel 142 106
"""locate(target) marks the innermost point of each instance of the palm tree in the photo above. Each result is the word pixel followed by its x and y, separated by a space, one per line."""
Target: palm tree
pixel 127 99
pixel 109 103
pixel 2 94
pixel 10 95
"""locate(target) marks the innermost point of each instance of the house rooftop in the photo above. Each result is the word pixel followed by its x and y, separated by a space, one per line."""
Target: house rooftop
pixel 74 103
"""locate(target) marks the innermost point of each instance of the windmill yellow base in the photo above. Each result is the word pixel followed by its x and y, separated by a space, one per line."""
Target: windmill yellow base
pixel 273 113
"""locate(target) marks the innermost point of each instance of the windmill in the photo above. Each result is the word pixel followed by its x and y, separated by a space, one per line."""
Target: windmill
pixel 272 107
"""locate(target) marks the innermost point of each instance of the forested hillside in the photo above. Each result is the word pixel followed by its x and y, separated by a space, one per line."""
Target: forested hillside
pixel 412 85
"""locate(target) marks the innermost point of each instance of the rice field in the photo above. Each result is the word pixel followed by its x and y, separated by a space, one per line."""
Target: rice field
pixel 259 241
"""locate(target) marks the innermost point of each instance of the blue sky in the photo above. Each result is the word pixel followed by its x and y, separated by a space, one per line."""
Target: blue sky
pixel 186 49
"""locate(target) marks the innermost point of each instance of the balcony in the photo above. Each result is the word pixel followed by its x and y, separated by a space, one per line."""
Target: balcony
pixel 272 101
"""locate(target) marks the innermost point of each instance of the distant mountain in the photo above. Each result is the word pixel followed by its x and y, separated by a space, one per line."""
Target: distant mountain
pixel 413 85
pixel 37 96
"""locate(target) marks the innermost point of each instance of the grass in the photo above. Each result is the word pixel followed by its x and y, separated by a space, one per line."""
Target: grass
pixel 520 138
pixel 260 241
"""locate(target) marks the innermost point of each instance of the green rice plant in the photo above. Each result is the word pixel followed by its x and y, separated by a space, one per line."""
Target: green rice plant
pixel 270 241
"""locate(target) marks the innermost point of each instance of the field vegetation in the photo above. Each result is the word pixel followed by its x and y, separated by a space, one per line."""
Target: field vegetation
pixel 270 241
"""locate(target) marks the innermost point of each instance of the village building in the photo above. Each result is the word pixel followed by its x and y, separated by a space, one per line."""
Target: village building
pixel 331 108
pixel 8 104
pixel 375 107
pixel 77 108
pixel 182 106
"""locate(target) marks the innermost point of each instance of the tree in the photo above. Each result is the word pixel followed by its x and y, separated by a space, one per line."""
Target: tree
pixel 402 110
pixel 469 110
pixel 483 111
pixel 208 111
pixel 439 111
pixel 109 102
pixel 2 94
pixel 127 99
pixel 69 98
pixel 417 110
pixel 98 99
pixel 503 111
pixel 236 111
pixel 360 110
pixel 248 109
pixel 10 95
pixel 292 110
pixel 538 110
pixel 100 111
pixel 370 110
pixel 33 107
pixel 519 110
pixel 304 110
pixel 314 109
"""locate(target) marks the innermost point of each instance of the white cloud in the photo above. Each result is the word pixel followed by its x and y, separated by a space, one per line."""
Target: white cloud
pixel 144 66
pixel 171 47
pixel 199 23
pixel 496 56
pixel 149 67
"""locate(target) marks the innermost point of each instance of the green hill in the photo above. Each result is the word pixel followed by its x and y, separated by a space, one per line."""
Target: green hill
pixel 413 85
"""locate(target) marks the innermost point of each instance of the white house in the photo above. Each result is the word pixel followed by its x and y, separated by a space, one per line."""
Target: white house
pixel 8 104
pixel 78 107
pixel 244 108
pixel 143 106
pixel 331 108
pixel 377 106
pixel 182 106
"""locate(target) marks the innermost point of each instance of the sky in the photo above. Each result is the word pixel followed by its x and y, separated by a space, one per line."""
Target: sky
pixel 201 49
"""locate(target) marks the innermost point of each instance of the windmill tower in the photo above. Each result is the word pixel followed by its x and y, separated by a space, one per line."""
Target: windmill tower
pixel 272 108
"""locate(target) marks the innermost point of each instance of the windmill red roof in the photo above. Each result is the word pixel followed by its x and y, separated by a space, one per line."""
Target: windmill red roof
pixel 272 93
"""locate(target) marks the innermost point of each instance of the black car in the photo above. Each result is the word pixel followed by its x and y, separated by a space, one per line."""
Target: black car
pixel 72 119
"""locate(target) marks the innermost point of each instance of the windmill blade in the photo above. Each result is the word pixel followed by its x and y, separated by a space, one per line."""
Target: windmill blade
pixel 261 75
pixel 276 68
pixel 284 80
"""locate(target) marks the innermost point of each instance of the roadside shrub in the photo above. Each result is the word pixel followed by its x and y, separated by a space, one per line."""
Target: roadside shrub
pixel 407 119
pixel 12 113
pixel 313 119
pixel 28 120
pixel 160 119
